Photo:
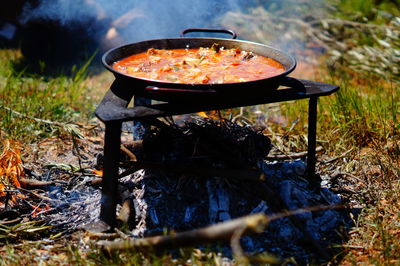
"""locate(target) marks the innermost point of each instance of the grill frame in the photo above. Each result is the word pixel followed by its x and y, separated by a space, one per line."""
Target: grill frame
pixel 113 110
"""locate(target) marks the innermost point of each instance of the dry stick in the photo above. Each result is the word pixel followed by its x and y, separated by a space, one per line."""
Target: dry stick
pixel 255 223
pixel 343 155
pixel 129 153
pixel 353 176
pixel 37 195
pixel 295 155
pixel 294 123
pixel 16 220
pixel 28 183
pixel 44 121
pixel 32 118
pixel 218 232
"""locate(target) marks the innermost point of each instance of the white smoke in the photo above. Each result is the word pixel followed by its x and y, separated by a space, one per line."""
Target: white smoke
pixel 132 20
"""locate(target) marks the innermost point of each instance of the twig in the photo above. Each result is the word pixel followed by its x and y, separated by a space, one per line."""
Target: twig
pixel 338 157
pixel 16 220
pixel 33 183
pixel 30 117
pixel 101 235
pixel 296 155
pixel 294 123
pixel 353 176
pixel 353 247
pixel 129 153
pixel 37 195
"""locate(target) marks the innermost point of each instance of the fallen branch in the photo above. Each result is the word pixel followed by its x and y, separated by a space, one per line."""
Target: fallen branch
pixel 218 232
pixel 226 231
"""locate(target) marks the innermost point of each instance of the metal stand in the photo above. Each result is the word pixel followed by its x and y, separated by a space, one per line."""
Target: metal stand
pixel 312 138
pixel 113 111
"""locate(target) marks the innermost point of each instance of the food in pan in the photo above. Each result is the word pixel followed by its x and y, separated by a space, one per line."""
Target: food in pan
pixel 199 65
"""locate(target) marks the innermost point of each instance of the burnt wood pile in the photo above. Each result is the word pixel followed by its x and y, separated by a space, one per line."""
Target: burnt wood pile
pixel 206 172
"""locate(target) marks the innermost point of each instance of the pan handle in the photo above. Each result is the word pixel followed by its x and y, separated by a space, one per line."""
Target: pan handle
pixel 173 90
pixel 231 32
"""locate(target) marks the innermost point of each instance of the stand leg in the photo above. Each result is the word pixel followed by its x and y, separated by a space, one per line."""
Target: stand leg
pixel 112 143
pixel 312 138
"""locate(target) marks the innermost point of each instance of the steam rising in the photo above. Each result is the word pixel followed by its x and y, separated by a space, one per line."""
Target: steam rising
pixel 132 20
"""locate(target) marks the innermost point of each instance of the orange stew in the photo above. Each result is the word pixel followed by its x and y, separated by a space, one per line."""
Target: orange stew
pixel 199 65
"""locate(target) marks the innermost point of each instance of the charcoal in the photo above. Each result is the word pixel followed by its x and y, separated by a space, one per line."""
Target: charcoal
pixel 207 142
pixel 179 201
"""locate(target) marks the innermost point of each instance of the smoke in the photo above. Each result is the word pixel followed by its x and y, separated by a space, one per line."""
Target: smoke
pixel 132 20
pixel 108 23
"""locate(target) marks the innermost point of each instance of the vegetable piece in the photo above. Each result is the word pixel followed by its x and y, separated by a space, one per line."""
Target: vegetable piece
pixel 247 56
pixel 216 47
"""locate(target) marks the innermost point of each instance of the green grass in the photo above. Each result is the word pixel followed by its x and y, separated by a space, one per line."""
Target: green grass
pixel 27 98
pixel 377 11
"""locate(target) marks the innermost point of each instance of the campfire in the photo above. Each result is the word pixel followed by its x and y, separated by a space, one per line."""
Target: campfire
pixel 204 171
pixel 204 180
pixel 210 172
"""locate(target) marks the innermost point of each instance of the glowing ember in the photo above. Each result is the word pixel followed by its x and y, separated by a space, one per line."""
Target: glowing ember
pixel 98 172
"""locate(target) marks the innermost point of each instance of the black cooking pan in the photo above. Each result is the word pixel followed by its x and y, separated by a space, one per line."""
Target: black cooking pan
pixel 169 91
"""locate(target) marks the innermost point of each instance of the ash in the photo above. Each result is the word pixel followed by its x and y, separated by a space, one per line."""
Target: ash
pixel 73 207
pixel 183 201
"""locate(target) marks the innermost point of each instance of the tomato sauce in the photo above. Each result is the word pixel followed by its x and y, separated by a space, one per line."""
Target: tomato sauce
pixel 199 65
